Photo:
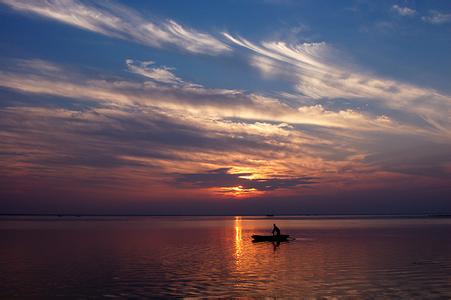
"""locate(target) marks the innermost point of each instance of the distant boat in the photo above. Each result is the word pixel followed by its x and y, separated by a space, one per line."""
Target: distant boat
pixel 270 238
pixel 270 215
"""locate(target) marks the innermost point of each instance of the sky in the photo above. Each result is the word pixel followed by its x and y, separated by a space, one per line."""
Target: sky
pixel 225 107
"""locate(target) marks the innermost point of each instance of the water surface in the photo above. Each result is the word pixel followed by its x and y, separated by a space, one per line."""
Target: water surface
pixel 137 257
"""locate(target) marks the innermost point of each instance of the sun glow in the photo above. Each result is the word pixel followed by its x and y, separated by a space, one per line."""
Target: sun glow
pixel 240 191
pixel 248 173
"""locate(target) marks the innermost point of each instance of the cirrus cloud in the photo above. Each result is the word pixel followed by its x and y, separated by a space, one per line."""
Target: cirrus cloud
pixel 403 10
pixel 117 21
pixel 317 73
pixel 437 17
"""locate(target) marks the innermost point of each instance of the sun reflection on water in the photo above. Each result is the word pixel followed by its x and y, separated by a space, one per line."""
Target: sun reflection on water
pixel 238 238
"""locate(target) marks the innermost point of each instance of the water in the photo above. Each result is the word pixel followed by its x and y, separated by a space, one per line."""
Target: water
pixel 89 257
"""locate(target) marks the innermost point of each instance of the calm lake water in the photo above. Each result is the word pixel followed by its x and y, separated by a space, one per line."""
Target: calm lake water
pixel 138 257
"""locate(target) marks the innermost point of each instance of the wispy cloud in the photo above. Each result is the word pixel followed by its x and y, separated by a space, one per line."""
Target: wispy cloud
pixel 319 76
pixel 194 98
pixel 166 131
pixel 114 20
pixel 437 17
pixel 162 74
pixel 403 10
pixel 317 72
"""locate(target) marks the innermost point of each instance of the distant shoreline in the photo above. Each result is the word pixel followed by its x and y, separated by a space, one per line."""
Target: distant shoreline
pixel 63 215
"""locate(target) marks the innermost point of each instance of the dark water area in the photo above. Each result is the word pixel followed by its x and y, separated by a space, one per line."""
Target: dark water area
pixel 141 257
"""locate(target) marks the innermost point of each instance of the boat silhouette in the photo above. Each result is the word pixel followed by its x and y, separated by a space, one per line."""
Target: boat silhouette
pixel 270 238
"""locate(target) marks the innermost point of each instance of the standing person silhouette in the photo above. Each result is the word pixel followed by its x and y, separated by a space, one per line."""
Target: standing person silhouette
pixel 275 230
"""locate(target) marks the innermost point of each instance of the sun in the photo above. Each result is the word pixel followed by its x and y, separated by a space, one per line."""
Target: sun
pixel 240 192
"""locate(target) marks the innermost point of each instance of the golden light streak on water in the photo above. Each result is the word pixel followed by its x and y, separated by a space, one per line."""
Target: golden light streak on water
pixel 238 238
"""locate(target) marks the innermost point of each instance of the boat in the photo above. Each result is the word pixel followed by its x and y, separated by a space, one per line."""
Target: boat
pixel 270 238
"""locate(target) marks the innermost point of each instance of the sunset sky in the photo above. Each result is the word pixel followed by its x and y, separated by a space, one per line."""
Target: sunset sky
pixel 225 107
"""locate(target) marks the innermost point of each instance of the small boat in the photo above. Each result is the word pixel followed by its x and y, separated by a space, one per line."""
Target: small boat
pixel 270 238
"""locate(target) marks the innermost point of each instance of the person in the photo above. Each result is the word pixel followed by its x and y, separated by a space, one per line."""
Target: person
pixel 275 230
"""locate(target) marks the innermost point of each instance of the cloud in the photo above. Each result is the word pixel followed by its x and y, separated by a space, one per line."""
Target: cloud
pixel 169 92
pixel 39 66
pixel 156 131
pixel 403 10
pixel 319 76
pixel 163 74
pixel 406 161
pixel 318 72
pixel 114 20
pixel 224 178
pixel 72 128
pixel 437 17
pixel 128 148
